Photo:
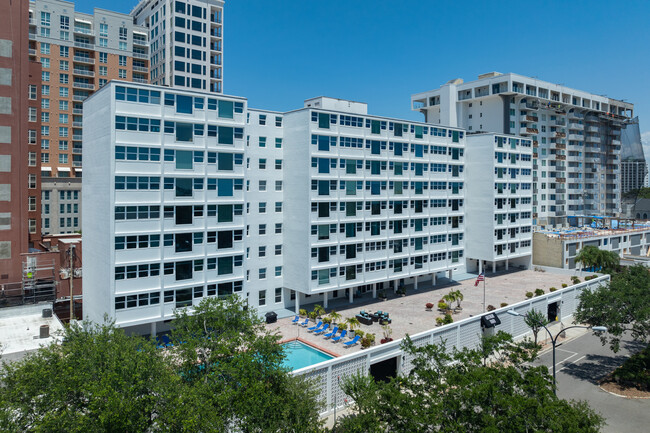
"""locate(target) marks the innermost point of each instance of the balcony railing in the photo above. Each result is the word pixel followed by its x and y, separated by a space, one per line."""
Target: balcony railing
pixel 32 35
pixel 77 111
pixel 139 41
pixel 83 30
pixel 77 124
pixel 76 137
pixel 32 51
pixel 84 45
pixel 83 72
pixel 83 59
pixel 77 85
pixel 79 98
pixel 141 56
pixel 140 69
pixel 139 80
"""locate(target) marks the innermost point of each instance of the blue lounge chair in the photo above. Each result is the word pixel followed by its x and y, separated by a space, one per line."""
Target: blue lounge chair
pixel 313 328
pixel 353 341
pixel 166 341
pixel 296 319
pixel 159 343
pixel 321 330
pixel 305 323
pixel 331 334
pixel 340 336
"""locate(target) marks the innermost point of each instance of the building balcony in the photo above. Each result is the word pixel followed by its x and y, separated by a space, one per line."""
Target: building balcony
pixel 76 163
pixel 76 137
pixel 77 150
pixel 592 129
pixel 83 59
pixel 141 56
pixel 616 142
pixel 576 137
pixel 83 72
pixel 574 115
pixel 560 157
pixel 84 45
pixel 560 190
pixel 559 134
pixel 140 69
pixel 32 21
pixel 560 122
pixel 593 139
pixel 77 111
pixel 78 85
pixel 532 131
pixel 141 42
pixel 79 98
pixel 32 51
pixel 32 36
pixel 576 126
pixel 139 80
pixel 77 124
pixel 560 146
pixel 560 179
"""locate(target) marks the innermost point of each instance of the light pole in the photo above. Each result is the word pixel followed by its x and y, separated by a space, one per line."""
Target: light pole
pixel 554 339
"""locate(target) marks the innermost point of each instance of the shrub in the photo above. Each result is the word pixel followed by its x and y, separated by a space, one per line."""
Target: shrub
pixel 552 289
pixel 491 307
pixel 312 315
pixel 442 305
pixel 429 305
pixel 343 326
pixel 439 321
pixel 359 332
pixel 529 295
pixel 327 319
pixel 575 279
pixel 504 304
pixel 564 285
pixel 635 371
pixel 539 292
pixel 367 340
pixel 447 319
pixel 302 312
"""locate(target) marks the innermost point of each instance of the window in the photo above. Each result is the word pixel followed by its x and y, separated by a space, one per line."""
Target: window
pixel 64 51
pixel 31 159
pixel 45 158
pixel 262 296
pixel 122 73
pixel 45 18
pixel 63 158
pixel 278 185
pixel 63 105
pixel 31 181
pixel 278 206
pixel 262 207
pixel 262 164
pixel 45 62
pixel 103 57
pixel 45 76
pixel 122 60
pixel 31 114
pixel 103 71
pixel 32 89
pixel 45 48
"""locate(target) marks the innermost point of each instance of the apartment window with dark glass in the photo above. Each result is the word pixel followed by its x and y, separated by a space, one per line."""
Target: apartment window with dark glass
pixel 183 298
pixel 184 131
pixel 323 120
pixel 183 271
pixel 183 214
pixel 184 187
pixel 225 239
pixel 183 242
pixel 224 265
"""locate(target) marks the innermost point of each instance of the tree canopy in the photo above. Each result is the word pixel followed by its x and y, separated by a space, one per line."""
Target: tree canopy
pixel 601 260
pixel 490 389
pixel 223 373
pixel 622 305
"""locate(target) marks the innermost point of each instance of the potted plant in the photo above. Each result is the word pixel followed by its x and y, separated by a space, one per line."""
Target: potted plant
pixel 319 310
pixel 302 312
pixel 449 299
pixel 447 319
pixel 529 295
pixel 343 326
pixel 565 285
pixel 575 280
pixel 359 333
pixel 491 308
pixel 539 292
pixel 439 321
pixel 353 324
pixel 428 306
pixel 335 316
pixel 504 304
pixel 458 297
pixel 442 306
pixel 387 331
pixel 401 290
pixel 367 340
pixel 312 315
pixel 327 320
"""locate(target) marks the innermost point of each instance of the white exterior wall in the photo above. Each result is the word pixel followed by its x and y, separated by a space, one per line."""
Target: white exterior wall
pixel 97 197
pixel 498 230
pixel 261 227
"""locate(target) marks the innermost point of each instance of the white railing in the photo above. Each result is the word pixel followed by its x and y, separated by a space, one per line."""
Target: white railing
pixel 328 376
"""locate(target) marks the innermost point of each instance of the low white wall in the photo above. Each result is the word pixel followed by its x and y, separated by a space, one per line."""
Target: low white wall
pixel 329 375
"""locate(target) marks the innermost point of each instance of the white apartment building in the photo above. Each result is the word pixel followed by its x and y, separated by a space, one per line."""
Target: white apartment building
pixel 576 136
pixel 164 203
pixel 499 202
pixel 196 195
pixel 186 42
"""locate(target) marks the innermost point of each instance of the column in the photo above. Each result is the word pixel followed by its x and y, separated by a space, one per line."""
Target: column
pixel 297 301
pixel 374 291
pixel 494 267
pixel 506 264
pixel 433 279
pixel 480 266
pixel 351 295
pixel 415 282
pixel 325 299
pixel 153 330
pixel 450 274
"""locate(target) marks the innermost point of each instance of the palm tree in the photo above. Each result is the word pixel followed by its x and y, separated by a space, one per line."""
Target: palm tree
pixel 587 257
pixel 458 297
pixel 353 323
pixel 608 261
pixel 319 310
pixel 335 316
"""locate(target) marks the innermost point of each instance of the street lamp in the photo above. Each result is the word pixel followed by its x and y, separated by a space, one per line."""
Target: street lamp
pixel 554 339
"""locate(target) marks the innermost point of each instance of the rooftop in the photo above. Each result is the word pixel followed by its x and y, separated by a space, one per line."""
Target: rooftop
pixel 20 327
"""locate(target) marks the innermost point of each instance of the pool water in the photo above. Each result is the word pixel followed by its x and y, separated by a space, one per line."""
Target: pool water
pixel 299 355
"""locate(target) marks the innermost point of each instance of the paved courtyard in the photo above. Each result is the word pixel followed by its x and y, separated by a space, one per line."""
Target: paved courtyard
pixel 409 315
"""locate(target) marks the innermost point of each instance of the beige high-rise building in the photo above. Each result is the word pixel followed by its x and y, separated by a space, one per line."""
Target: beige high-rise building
pixel 79 54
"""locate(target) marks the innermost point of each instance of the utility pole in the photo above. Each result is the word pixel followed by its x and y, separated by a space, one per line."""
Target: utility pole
pixel 71 254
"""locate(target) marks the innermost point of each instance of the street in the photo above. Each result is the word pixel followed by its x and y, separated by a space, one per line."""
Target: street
pixel 580 364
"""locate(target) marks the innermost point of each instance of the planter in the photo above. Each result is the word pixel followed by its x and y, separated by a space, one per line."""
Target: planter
pixel 385 340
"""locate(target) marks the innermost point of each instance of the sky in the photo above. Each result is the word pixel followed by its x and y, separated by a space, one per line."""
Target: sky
pixel 279 53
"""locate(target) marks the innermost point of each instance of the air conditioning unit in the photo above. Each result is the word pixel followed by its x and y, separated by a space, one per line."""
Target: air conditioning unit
pixel 77 273
pixel 64 273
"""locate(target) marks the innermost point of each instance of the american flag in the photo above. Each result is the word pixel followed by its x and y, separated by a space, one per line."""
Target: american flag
pixel 480 278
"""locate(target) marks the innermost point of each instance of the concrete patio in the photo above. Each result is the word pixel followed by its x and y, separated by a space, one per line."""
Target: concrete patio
pixel 408 313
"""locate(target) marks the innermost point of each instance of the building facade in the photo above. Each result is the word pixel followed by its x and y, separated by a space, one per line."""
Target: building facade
pixel 194 194
pixel 633 175
pixel 79 54
pixel 186 42
pixel 576 136
pixel 19 137
pixel 499 202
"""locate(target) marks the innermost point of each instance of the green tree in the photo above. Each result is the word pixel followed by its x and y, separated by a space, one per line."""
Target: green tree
pixel 98 380
pixel 536 320
pixel 460 392
pixel 227 356
pixel 622 306
pixel 591 256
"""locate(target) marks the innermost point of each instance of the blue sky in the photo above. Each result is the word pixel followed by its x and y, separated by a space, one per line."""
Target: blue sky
pixel 279 53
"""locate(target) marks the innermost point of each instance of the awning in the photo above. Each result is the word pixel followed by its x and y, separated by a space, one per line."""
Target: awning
pixel 83 21
pixel 63 169
pixel 77 169
pixel 140 33
pixel 46 168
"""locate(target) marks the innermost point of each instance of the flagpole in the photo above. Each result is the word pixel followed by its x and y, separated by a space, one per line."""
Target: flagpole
pixel 484 293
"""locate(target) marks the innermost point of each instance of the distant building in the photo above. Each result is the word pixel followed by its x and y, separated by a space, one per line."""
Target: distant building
pixel 576 136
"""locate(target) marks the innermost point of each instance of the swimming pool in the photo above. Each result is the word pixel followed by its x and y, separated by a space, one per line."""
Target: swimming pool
pixel 299 355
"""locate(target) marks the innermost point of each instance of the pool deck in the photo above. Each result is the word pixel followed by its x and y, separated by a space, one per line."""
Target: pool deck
pixel 409 315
